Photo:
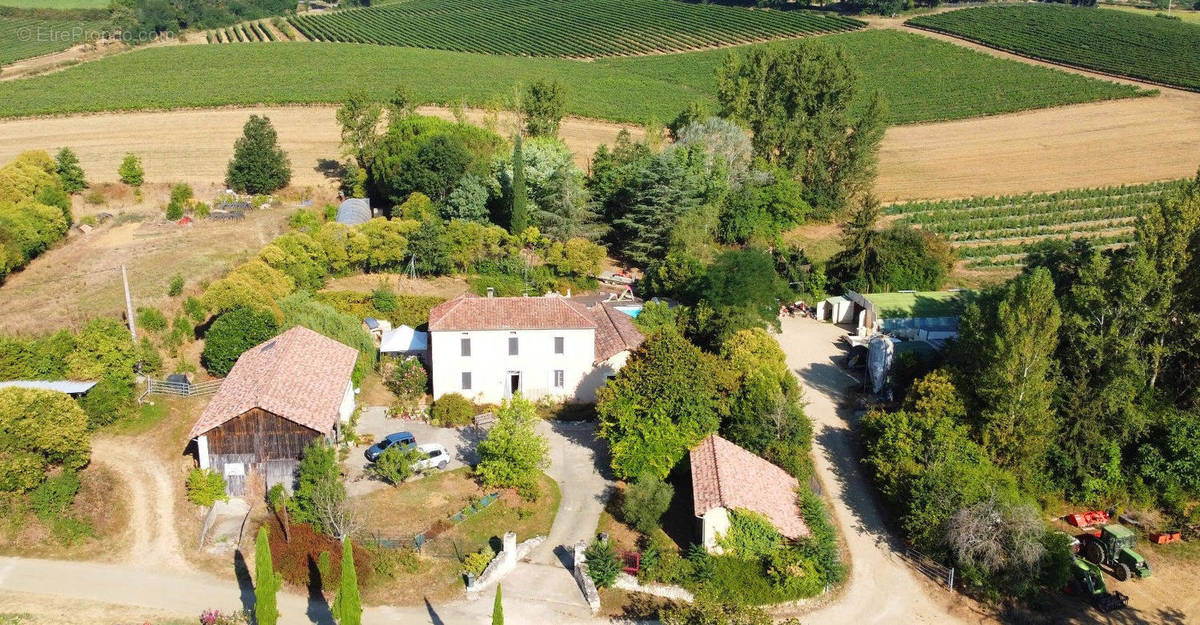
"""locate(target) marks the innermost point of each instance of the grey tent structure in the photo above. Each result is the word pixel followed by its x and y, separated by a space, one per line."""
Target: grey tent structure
pixel 354 211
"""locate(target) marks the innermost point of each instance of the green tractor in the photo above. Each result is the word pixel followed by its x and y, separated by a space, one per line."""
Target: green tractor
pixel 1087 582
pixel 1114 548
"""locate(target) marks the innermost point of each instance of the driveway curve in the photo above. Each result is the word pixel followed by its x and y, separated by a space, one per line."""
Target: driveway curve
pixel 882 588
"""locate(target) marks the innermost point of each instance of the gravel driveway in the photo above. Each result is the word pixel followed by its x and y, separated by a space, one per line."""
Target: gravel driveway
pixel 460 443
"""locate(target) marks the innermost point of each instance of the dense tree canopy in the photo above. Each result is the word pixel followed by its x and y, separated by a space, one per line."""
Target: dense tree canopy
pixel 259 165
pixel 39 431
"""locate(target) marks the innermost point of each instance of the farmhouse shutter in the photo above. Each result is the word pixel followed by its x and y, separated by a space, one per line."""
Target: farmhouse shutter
pixel 512 346
pixel 465 345
pixel 466 380
pixel 559 344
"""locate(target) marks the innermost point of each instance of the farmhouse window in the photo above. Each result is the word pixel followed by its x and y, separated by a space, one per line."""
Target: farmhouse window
pixel 466 380
pixel 465 345
pixel 512 346
pixel 558 378
pixel 559 344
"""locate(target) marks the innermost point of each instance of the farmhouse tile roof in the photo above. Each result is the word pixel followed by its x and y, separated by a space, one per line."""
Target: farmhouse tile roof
pixel 615 331
pixel 727 476
pixel 468 312
pixel 299 375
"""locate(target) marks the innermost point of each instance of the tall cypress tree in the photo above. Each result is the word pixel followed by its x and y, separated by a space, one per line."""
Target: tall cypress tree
pixel 347 607
pixel 266 582
pixel 497 609
pixel 519 217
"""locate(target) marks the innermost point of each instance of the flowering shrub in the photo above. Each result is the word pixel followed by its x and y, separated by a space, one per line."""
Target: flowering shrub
pixel 408 380
pixel 217 617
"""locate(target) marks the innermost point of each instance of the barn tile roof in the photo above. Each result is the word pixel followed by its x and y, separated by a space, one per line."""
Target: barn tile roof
pixel 615 331
pixel 727 476
pixel 299 375
pixel 467 312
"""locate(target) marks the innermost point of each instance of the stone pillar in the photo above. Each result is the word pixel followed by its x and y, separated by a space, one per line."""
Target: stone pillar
pixel 580 558
pixel 510 549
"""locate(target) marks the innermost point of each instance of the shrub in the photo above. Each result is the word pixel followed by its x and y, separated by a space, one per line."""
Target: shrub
pixel 151 319
pixel 298 558
pixel 408 380
pixel 325 569
pixel 453 410
pixel 110 400
pixel 233 333
pixel 195 309
pixel 645 502
pixel 602 562
pixel 52 498
pixel 174 212
pixel 176 285
pixel 384 299
pixel 40 429
pixel 661 561
pixel 750 535
pixel 475 563
pixel 205 487
pixel 708 612
pixel 181 193
pixel 95 198
pixel 130 171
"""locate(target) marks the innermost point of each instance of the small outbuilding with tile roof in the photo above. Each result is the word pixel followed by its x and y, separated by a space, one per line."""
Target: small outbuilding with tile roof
pixel 280 396
pixel 726 477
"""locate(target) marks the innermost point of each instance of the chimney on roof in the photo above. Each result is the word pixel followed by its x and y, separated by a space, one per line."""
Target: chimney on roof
pixel 491 292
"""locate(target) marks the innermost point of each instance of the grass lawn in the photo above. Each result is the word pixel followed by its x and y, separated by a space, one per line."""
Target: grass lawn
pixel 147 416
pixel 922 304
pixel 418 506
pixel 923 79
pixel 1115 42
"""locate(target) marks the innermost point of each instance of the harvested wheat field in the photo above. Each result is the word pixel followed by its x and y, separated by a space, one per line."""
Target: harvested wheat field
pixel 194 146
pixel 81 278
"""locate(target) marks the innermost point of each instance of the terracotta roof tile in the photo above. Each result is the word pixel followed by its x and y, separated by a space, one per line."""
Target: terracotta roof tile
pixel 299 375
pixel 507 313
pixel 727 476
pixel 615 331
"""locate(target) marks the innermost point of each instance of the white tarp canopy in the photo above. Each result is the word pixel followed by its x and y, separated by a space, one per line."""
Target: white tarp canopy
pixel 403 339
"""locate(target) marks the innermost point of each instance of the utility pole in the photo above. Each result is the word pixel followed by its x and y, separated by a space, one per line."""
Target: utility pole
pixel 128 305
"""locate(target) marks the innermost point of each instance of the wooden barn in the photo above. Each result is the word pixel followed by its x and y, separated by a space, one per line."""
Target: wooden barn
pixel 280 396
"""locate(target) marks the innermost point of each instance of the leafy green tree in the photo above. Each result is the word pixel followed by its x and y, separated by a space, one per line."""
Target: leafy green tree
pixel 70 174
pixel 317 472
pixel 395 464
pixel 402 103
pixel 518 217
pixel 347 607
pixel 542 106
pixel 267 582
pixel 259 165
pixel 743 291
pixel 853 265
pixel 663 402
pixel 1015 384
pixel 427 247
pixel 498 608
pixel 103 349
pixel 513 455
pixel 796 101
pixel 468 201
pixel 646 500
pixel 359 117
pixel 233 333
pixel 130 171
pixel 429 155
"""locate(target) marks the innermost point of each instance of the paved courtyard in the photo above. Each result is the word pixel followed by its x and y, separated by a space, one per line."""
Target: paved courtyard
pixel 460 443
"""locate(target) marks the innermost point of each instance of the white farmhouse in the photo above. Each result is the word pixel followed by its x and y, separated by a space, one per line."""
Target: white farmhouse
pixel 488 348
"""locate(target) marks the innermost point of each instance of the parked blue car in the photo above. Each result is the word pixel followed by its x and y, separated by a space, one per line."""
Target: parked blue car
pixel 399 438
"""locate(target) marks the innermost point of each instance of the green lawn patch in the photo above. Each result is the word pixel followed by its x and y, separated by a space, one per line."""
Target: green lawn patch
pixel 918 304
pixel 923 79
pixel 579 28
pixel 1139 46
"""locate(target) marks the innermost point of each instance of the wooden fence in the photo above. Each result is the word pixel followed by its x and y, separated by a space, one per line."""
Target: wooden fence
pixel 931 568
pixel 181 389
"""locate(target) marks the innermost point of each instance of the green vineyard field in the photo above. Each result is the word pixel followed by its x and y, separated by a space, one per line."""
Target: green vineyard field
pixel 922 79
pixel 26 37
pixel 997 231
pixel 564 28
pixel 1150 48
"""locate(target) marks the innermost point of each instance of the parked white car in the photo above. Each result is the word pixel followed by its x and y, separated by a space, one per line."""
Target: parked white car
pixel 433 455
